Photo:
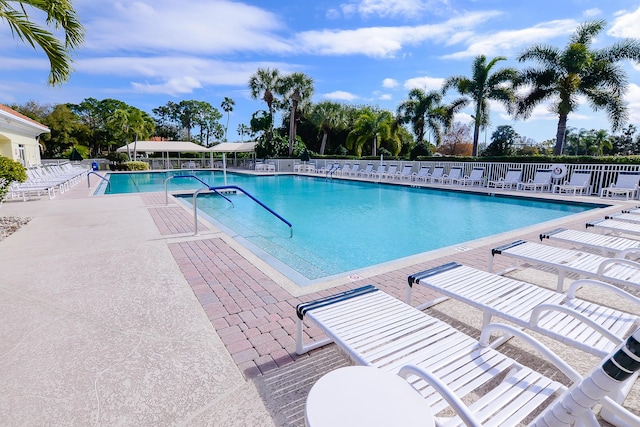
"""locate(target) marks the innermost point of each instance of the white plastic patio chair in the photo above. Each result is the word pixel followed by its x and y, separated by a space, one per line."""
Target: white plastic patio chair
pixel 390 173
pixel 438 172
pixel 454 173
pixel 606 244
pixel 475 177
pixel 443 364
pixel 619 271
pixel 405 173
pixel 511 179
pixel 626 185
pixel 366 171
pixel 541 180
pixel 585 325
pixel 378 172
pixel 613 226
pixel 421 175
pixel 580 182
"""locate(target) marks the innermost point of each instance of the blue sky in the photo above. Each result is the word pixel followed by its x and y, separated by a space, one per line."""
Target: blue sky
pixel 147 53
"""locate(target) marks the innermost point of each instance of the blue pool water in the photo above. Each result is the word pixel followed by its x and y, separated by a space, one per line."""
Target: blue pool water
pixel 340 226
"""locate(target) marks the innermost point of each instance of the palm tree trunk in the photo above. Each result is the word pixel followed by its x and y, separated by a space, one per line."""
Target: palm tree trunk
pixel 375 143
pixel 562 128
pixel 476 135
pixel 323 146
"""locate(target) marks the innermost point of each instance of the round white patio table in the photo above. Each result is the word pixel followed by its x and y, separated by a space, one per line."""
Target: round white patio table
pixel 365 396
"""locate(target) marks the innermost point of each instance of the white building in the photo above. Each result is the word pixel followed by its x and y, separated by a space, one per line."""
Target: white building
pixel 19 137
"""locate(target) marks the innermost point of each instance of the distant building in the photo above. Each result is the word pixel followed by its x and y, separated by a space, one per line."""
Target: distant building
pixel 19 137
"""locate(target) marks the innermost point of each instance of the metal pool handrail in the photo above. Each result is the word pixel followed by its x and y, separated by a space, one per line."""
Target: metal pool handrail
pixel 102 177
pixel 215 190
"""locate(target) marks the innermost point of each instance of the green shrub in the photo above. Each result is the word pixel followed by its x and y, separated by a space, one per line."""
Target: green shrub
pixel 10 171
pixel 137 166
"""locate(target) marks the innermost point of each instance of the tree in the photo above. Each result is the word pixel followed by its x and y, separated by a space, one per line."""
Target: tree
pixel 227 106
pixel 296 89
pixel 132 122
pixel 326 116
pixel 243 130
pixel 484 86
pixel 60 16
pixel 457 141
pixel 370 126
pixel 66 131
pixel 564 76
pixel 502 141
pixel 426 113
pixel 262 85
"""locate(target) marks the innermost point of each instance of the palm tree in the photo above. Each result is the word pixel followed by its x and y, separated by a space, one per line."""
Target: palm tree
pixel 120 121
pixel 227 106
pixel 262 85
pixel 425 112
pixel 243 130
pixel 327 115
pixel 484 86
pixel 60 15
pixel 370 126
pixel 297 89
pixel 578 71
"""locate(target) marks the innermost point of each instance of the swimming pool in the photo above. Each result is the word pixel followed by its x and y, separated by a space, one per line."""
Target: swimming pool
pixel 341 226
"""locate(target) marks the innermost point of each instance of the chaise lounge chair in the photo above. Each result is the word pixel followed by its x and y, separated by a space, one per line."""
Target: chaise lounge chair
pixel 454 173
pixel 625 217
pixel 588 326
pixel 606 244
pixel 580 182
pixel 511 179
pixel 541 180
pixel 390 173
pixel 366 171
pixel 421 175
pixel 375 329
pixel 626 185
pixel 614 226
pixel 619 271
pixel 438 172
pixel 406 172
pixel 475 177
pixel 378 172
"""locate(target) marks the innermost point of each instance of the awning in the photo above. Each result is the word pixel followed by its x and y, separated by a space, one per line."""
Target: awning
pixel 164 147
pixel 234 147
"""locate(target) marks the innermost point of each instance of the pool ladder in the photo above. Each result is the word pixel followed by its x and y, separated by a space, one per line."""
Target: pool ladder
pixel 101 177
pixel 216 190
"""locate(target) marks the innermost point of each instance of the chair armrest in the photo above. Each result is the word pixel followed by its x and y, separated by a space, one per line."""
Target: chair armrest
pixel 454 401
pixel 606 263
pixel 573 288
pixel 544 350
pixel 537 311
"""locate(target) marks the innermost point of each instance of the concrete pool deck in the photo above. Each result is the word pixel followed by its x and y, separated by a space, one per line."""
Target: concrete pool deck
pixel 113 313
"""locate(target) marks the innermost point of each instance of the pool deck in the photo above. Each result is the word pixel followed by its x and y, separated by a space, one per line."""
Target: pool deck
pixel 114 313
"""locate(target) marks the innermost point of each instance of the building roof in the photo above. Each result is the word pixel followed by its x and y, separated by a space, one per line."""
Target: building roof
pixel 19 122
pixel 164 147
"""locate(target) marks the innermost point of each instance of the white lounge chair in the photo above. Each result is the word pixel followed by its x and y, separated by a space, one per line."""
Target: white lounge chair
pixel 613 226
pixel 475 177
pixel 438 172
pixel 606 244
pixel 541 180
pixel 344 170
pixel 390 173
pixel 375 329
pixel 619 271
pixel 626 185
pixel 511 179
pixel 588 326
pixel 580 182
pixel 421 175
pixel 366 171
pixel 405 173
pixel 454 173
pixel 378 172
pixel 635 211
pixel 354 169
pixel 624 217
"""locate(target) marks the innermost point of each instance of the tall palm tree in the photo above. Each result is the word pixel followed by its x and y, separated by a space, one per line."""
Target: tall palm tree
pixel 374 126
pixel 327 115
pixel 578 71
pixel 243 130
pixel 120 121
pixel 264 85
pixel 227 106
pixel 296 89
pixel 426 113
pixel 60 16
pixel 484 86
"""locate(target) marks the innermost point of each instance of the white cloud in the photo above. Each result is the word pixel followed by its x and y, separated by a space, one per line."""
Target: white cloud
pixel 633 99
pixel 509 41
pixel 394 8
pixel 390 83
pixel 426 83
pixel 380 42
pixel 174 86
pixel 385 97
pixel 625 25
pixel 188 26
pixel 340 95
pixel 591 13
